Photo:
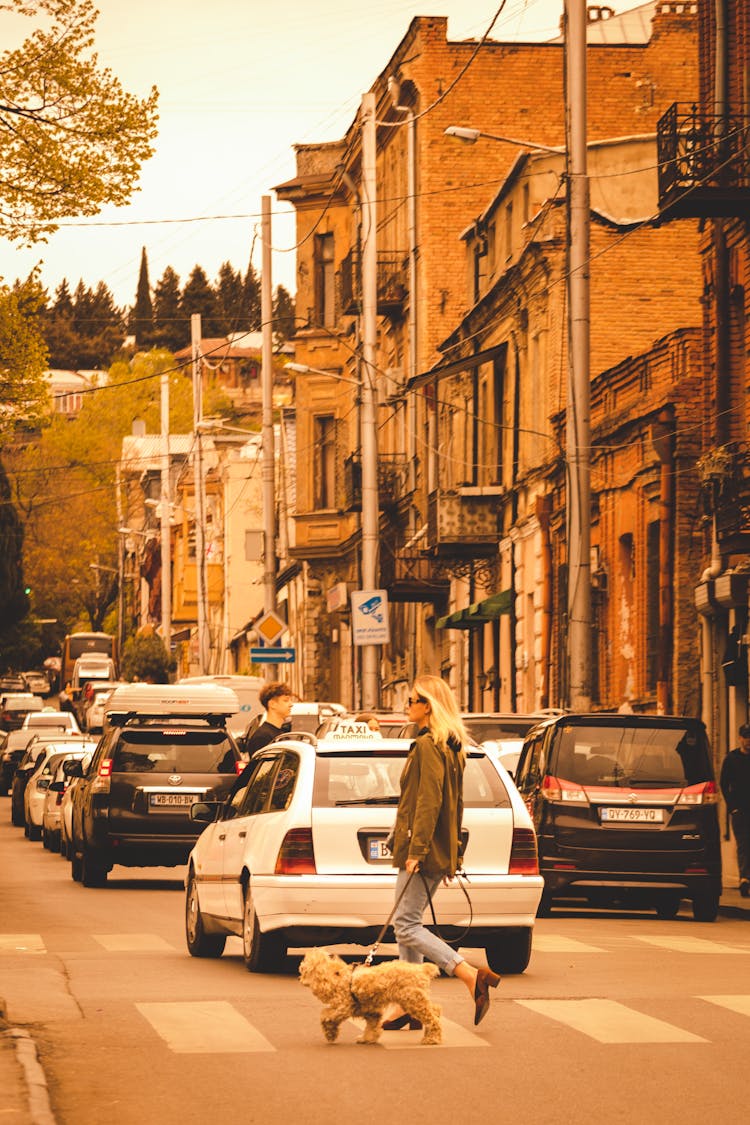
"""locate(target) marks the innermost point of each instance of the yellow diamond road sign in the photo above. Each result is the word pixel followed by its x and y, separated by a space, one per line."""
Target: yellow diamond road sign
pixel 270 627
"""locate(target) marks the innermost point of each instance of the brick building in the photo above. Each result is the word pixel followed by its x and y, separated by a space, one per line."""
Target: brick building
pixel 436 551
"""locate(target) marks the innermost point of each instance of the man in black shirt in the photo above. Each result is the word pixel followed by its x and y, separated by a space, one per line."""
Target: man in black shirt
pixel 277 700
pixel 735 787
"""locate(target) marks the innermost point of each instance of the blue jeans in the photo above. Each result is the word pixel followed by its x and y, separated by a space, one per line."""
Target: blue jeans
pixel 415 942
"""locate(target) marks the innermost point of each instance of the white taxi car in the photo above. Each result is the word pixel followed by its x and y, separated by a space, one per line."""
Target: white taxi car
pixel 297 857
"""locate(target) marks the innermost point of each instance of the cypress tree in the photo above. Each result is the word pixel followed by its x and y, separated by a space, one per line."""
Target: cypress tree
pixel 142 317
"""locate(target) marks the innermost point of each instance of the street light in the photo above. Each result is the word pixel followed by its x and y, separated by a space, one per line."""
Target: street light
pixel 305 369
pixel 578 423
pixel 471 136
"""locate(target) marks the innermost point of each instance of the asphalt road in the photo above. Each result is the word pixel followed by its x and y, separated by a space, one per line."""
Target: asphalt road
pixel 619 1018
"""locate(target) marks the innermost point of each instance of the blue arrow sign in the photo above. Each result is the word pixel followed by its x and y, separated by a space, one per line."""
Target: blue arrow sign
pixel 272 655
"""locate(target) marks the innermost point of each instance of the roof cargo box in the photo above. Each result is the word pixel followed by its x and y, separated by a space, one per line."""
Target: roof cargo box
pixel 153 701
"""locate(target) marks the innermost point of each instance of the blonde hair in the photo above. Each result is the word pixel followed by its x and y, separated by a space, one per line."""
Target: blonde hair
pixel 444 718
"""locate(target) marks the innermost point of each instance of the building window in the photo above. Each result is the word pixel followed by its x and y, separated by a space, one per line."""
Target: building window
pixel 325 287
pixel 325 461
pixel 509 232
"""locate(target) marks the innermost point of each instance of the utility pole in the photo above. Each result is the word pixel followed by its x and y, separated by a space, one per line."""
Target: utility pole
pixel 166 535
pixel 578 421
pixel 368 408
pixel 267 437
pixel 200 516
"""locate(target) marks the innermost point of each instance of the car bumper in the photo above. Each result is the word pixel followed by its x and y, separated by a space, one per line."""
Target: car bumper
pixel 336 903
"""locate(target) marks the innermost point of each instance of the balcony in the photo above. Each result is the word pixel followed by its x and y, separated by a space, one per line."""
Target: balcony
pixel 393 479
pixel 725 476
pixel 704 165
pixel 412 577
pixel 461 525
pixel 392 288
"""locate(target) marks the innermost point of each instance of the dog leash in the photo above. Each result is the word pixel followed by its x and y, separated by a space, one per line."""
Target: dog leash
pixel 368 959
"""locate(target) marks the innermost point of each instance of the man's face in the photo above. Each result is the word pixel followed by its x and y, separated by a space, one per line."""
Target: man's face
pixel 745 743
pixel 280 707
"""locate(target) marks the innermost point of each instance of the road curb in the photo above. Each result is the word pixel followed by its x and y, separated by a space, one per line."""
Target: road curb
pixel 40 1111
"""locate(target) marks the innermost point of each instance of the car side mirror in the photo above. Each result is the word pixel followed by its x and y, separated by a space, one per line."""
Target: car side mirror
pixel 73 769
pixel 57 787
pixel 204 812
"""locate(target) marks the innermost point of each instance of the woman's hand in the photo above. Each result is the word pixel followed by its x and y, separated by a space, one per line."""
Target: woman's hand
pixel 412 865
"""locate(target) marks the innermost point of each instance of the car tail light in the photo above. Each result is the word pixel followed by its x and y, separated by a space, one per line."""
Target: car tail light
pixel 523 854
pixel 103 779
pixel 296 855
pixel 239 766
pixel 558 789
pixel 705 793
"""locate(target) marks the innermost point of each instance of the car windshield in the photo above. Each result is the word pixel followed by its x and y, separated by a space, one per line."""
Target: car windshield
pixel 174 751
pixel 649 757
pixel 374 779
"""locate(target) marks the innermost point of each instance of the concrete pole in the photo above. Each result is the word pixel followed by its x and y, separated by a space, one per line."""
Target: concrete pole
pixel 368 415
pixel 200 512
pixel 578 422
pixel 268 450
pixel 166 542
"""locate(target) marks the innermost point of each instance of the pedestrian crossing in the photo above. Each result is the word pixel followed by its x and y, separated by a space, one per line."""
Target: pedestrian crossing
pixel 222 1027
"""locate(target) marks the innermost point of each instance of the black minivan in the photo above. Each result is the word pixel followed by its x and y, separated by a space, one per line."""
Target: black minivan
pixel 625 810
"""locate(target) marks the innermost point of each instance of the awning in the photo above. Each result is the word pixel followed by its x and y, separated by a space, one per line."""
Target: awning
pixel 456 366
pixel 480 613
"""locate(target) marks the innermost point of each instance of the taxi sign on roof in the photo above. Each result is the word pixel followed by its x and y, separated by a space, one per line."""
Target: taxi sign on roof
pixel 351 729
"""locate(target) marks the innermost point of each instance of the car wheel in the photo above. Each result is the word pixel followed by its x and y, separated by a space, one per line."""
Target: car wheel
pixel 53 841
pixel 76 869
pixel 263 953
pixel 16 815
pixel 668 906
pixel 705 906
pixel 510 952
pixel 545 905
pixel 199 943
pixel 34 832
pixel 92 874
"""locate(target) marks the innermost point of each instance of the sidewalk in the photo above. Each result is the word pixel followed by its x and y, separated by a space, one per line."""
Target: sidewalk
pixel 23 1087
pixel 733 905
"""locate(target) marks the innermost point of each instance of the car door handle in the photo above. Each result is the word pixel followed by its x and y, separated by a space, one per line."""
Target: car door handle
pixel 242 835
pixel 222 835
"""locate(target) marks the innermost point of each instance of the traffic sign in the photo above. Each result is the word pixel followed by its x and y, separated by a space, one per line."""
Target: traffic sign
pixel 270 627
pixel 272 655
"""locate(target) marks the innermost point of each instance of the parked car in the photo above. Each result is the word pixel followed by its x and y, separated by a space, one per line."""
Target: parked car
pixel 93 715
pixel 166 747
pixel 39 781
pixel 37 683
pixel 13 751
pixel 33 753
pixel 299 855
pixel 625 809
pixel 15 707
pixel 246 688
pixel 65 805
pixel 53 773
pixel 10 682
pixel 496 726
pixel 507 751
pixel 51 719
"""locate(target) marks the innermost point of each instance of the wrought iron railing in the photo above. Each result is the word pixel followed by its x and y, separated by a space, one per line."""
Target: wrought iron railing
pixel 701 153
pixel 393 480
pixel 392 287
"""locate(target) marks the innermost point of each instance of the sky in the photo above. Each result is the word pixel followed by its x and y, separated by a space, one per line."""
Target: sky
pixel 240 81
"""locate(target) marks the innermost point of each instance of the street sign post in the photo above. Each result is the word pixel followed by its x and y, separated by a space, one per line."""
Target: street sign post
pixel 272 655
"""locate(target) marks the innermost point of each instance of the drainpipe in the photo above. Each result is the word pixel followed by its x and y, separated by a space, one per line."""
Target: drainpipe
pixel 543 510
pixel 662 437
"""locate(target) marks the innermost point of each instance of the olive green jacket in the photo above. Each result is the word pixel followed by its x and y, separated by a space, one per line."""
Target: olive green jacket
pixel 430 809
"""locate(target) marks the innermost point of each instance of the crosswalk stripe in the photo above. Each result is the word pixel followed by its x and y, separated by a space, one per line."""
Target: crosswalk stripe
pixel 610 1022
pixel 682 944
pixel 454 1035
pixel 21 943
pixel 203 1027
pixel 739 1004
pixel 132 943
pixel 556 943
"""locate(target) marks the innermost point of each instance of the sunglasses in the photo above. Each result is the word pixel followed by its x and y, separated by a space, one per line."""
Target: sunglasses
pixel 416 699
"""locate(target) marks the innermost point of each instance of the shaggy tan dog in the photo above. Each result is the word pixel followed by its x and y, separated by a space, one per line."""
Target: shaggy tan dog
pixel 367 991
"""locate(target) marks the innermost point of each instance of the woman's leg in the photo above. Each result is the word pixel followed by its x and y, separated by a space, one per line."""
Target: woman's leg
pixel 415 942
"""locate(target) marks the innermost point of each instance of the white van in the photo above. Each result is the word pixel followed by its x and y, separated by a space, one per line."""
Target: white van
pixel 246 688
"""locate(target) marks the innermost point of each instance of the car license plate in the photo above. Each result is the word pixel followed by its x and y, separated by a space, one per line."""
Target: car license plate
pixel 377 849
pixel 172 800
pixel 633 815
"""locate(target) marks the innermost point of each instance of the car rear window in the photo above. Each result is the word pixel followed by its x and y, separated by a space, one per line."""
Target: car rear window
pixel 174 751
pixel 647 757
pixel 374 779
pixel 495 730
